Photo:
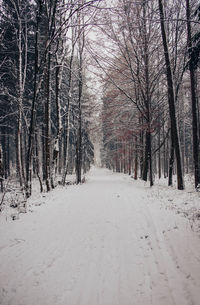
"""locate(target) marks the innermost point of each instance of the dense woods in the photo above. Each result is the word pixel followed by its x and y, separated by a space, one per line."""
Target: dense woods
pixel 151 94
pixel 145 55
pixel 44 101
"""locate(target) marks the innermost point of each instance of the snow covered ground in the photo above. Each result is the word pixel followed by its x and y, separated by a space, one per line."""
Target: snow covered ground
pixel 110 241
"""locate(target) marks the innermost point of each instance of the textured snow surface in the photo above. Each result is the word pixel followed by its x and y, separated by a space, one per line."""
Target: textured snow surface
pixel 110 241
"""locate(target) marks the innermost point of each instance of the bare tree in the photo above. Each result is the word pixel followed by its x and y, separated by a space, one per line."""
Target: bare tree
pixel 171 100
pixel 193 101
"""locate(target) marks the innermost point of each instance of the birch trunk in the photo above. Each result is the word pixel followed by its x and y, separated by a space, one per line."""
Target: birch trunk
pixel 33 111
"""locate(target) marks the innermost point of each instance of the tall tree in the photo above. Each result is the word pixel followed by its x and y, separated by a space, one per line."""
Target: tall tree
pixel 34 99
pixel 171 100
pixel 193 101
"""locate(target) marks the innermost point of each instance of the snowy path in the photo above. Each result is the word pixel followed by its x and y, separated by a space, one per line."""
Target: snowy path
pixel 101 243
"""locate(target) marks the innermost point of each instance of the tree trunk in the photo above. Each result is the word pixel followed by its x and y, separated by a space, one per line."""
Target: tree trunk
pixel 37 162
pixel 56 148
pixel 6 152
pixel 146 163
pixel 80 91
pixel 148 156
pixel 47 124
pixel 159 153
pixel 129 158
pixel 141 150
pixel 67 117
pixel 1 170
pixel 79 135
pixel 136 160
pixel 148 159
pixel 194 103
pixel 171 100
pixel 33 111
pixel 171 163
pixel 20 102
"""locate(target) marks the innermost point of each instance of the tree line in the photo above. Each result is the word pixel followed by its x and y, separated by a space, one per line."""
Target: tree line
pixel 45 104
pixel 147 55
pixel 150 112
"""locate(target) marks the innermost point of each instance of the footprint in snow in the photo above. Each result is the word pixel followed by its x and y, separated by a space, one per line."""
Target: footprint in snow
pixel 142 237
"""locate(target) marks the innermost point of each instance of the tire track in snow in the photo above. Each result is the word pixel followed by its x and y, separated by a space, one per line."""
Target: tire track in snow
pixel 165 258
pixel 97 244
pixel 153 274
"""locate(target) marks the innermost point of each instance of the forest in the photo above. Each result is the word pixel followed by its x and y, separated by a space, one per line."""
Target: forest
pixel 99 152
pixel 123 74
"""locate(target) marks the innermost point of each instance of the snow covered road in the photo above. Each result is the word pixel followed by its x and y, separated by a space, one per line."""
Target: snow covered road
pixel 101 243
